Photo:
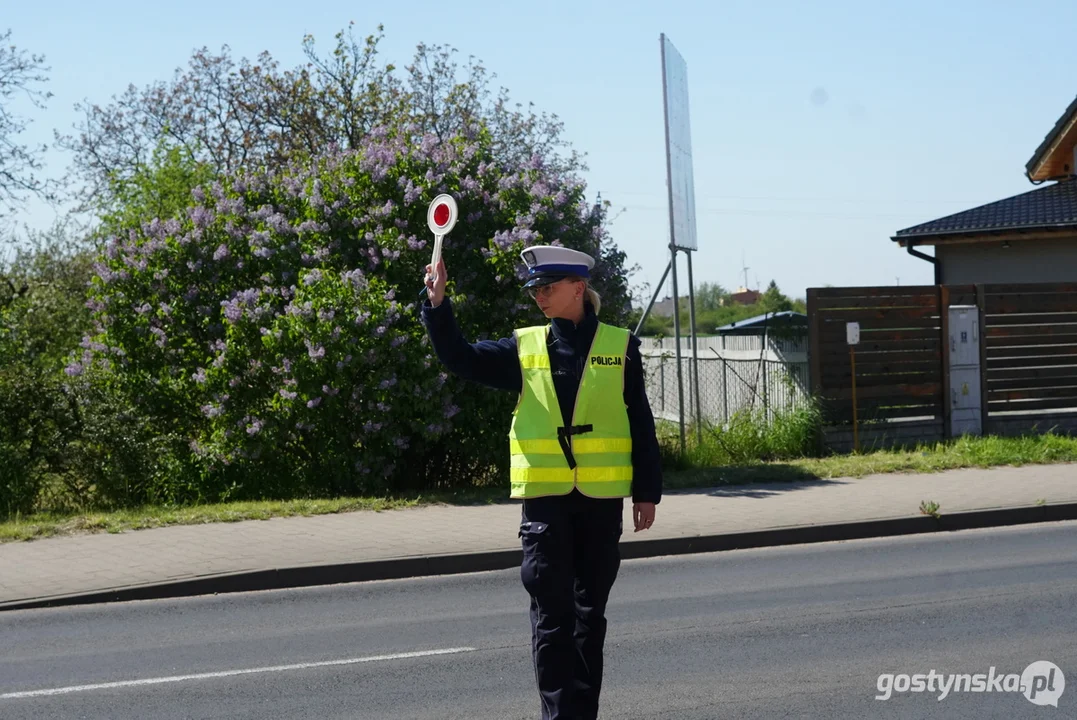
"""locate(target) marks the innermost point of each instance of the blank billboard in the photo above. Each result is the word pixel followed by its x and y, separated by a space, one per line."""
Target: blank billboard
pixel 682 194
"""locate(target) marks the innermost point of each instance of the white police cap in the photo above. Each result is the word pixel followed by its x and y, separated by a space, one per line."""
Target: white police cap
pixel 548 263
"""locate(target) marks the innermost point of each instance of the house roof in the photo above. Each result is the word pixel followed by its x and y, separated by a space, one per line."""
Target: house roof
pixel 786 317
pixel 1052 207
pixel 1053 159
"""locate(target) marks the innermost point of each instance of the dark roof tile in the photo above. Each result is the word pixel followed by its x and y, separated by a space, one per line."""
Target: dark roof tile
pixel 1050 207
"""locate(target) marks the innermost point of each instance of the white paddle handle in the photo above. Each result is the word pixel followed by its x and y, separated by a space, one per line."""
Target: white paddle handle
pixel 435 258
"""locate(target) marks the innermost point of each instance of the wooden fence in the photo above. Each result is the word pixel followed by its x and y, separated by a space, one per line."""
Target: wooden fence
pixel 1028 359
pixel 1030 355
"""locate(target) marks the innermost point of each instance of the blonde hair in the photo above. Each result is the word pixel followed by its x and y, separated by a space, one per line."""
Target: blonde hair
pixel 590 295
pixel 593 297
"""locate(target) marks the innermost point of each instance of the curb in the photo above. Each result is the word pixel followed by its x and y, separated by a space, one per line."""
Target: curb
pixel 429 565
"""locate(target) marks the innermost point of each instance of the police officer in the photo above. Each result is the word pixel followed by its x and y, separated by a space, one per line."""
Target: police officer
pixel 582 439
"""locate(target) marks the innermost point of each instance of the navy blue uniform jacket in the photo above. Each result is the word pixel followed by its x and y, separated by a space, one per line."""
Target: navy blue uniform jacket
pixel 495 363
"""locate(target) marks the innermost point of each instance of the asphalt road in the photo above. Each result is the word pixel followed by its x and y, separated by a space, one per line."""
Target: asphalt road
pixel 797 632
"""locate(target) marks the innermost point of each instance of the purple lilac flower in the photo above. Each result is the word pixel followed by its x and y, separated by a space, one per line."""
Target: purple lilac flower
pixel 314 350
pixel 233 310
pixel 74 369
pixel 314 402
pixel 201 216
pixel 287 394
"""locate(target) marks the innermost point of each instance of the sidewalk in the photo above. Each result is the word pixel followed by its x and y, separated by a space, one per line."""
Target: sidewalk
pixel 363 545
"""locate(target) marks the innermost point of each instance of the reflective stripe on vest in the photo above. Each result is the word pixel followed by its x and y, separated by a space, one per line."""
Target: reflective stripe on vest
pixel 603 454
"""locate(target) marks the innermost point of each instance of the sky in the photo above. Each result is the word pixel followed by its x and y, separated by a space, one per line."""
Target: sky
pixel 819 129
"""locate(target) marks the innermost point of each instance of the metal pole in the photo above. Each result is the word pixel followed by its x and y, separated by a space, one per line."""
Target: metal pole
pixel 725 387
pixel 662 366
pixel 672 239
pixel 677 341
pixel 643 318
pixel 766 379
pixel 695 351
pixel 856 425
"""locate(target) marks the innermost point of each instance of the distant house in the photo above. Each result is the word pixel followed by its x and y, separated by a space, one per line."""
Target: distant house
pixel 744 296
pixel 1031 237
pixel 664 308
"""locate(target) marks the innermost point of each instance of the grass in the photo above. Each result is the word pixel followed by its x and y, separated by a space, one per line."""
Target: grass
pixel 724 458
pixel 966 452
pixel 48 524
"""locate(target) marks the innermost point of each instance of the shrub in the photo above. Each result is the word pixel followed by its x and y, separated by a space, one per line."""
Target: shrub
pixel 749 437
pixel 273 327
pixel 42 315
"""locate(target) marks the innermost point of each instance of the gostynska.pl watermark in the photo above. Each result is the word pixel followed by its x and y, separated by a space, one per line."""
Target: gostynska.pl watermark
pixel 1041 683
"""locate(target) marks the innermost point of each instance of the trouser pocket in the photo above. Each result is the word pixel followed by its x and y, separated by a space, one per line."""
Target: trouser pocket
pixel 536 540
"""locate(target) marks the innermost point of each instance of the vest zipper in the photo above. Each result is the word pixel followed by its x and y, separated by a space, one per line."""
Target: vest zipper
pixel 576 404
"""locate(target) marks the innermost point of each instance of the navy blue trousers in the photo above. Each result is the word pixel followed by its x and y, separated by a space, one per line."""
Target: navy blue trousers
pixel 570 562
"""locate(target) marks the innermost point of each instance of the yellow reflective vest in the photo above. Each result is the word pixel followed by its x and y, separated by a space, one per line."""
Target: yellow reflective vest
pixel 594 454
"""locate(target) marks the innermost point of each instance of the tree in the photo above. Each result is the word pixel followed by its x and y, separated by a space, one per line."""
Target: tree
pixel 231 115
pixel 709 296
pixel 774 300
pixel 20 76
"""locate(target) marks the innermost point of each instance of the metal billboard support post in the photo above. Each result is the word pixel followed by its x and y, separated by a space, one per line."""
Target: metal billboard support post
pixel 695 350
pixel 677 339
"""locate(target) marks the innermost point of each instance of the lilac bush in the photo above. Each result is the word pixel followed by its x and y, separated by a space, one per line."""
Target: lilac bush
pixel 275 322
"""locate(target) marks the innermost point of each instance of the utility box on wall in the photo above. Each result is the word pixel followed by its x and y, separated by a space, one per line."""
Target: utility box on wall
pixel 966 403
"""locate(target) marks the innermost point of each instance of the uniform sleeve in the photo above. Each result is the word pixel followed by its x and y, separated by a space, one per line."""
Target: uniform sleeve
pixel 493 363
pixel 646 456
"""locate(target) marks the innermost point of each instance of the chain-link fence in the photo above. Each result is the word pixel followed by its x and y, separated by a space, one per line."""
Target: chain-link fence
pixel 735 373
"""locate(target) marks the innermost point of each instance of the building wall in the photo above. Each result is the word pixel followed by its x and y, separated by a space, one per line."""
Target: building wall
pixel 1022 262
pixel 664 307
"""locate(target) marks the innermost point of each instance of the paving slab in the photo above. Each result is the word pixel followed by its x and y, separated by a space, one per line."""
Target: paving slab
pixel 408 541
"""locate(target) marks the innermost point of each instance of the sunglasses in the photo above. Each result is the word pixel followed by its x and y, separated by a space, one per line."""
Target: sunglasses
pixel 544 290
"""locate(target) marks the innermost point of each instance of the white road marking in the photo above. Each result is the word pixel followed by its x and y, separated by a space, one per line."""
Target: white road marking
pixel 230 673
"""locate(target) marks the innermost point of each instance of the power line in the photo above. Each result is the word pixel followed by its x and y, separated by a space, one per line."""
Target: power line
pixel 785 212
pixel 933 201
